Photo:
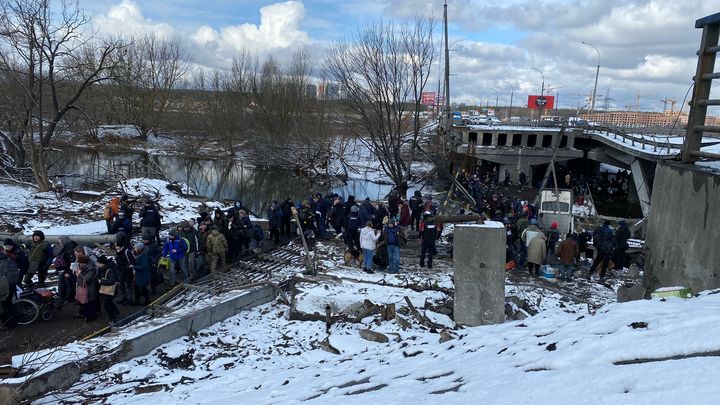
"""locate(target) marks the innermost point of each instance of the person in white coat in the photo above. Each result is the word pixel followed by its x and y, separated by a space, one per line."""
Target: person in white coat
pixel 368 242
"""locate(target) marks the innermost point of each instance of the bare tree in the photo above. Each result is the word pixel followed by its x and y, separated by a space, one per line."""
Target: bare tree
pixel 149 70
pixel 46 54
pixel 383 69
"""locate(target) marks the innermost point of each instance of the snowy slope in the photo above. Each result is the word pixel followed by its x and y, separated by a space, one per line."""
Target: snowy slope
pixel 553 358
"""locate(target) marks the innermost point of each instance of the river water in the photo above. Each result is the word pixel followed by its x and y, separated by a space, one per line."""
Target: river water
pixel 217 179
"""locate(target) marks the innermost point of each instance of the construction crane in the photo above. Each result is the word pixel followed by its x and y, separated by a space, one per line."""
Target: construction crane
pixel 672 102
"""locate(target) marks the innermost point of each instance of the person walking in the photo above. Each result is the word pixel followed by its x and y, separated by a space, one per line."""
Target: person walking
pixel 107 271
pixel 141 272
pixel 537 251
pixel 175 249
pixel 429 236
pixel 392 240
pixel 217 247
pixel 368 243
pixel 87 280
pixel 568 252
pixel 605 249
pixel 38 260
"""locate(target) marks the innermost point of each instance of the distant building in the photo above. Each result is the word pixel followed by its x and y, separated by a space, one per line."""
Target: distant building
pixel 637 118
pixel 311 91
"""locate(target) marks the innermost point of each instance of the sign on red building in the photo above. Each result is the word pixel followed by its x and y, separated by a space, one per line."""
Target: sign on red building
pixel 428 97
pixel 544 102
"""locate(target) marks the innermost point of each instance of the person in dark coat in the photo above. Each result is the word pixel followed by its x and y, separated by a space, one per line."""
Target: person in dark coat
pixel 87 276
pixel 18 255
pixel 121 224
pixel 124 261
pixel 320 208
pixel 61 263
pixel 141 271
pixel 286 208
pixel 429 236
pixel 415 209
pixel 150 220
pixel 10 273
pixel 337 217
pixel 108 276
pixel 605 248
pixel 394 204
pixel 275 220
pixel 352 231
pixel 622 234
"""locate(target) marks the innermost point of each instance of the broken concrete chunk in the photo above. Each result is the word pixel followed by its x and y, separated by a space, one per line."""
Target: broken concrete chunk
pixel 373 336
pixel 633 292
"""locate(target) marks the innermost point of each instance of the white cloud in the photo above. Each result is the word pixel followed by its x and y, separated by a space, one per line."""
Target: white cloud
pixel 279 29
pixel 127 18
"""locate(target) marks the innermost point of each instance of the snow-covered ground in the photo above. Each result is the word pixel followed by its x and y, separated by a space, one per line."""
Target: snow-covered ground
pixel 641 352
pixel 28 210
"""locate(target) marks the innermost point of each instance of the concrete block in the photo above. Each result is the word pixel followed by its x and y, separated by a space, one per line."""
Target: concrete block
pixel 633 292
pixel 682 233
pixel 479 274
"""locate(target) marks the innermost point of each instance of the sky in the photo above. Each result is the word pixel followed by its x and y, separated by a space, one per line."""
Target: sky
pixel 647 48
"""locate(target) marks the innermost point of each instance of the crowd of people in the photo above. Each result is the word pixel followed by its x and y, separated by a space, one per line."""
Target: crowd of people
pixel 529 245
pixel 143 260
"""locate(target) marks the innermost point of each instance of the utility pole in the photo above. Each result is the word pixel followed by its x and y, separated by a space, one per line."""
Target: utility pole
pixel 447 69
pixel 597 73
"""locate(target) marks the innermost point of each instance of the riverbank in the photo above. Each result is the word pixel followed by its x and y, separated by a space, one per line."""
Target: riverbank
pixel 26 210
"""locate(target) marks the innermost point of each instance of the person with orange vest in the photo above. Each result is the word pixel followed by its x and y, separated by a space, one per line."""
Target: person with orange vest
pixel 110 213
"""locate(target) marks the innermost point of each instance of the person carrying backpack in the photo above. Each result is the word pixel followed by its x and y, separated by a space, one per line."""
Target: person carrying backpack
pixel 217 247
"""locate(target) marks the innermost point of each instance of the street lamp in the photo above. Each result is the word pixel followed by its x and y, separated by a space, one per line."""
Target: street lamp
pixel 512 93
pixel 497 94
pixel 542 89
pixel 597 73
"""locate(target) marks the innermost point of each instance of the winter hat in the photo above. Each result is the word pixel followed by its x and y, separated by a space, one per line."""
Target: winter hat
pixel 354 208
pixel 102 259
pixel 83 260
pixel 39 233
pixel 173 232
pixel 533 221
pixel 391 221
pixel 9 242
pixel 554 225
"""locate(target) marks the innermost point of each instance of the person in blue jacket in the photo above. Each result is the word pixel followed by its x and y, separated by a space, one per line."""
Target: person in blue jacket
pixel 175 249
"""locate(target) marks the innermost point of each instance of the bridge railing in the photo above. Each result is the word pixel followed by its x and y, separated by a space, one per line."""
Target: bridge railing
pixel 644 140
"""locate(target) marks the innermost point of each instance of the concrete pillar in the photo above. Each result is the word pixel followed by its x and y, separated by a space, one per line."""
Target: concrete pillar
pixel 479 273
pixel 494 138
pixel 642 186
pixel 524 140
